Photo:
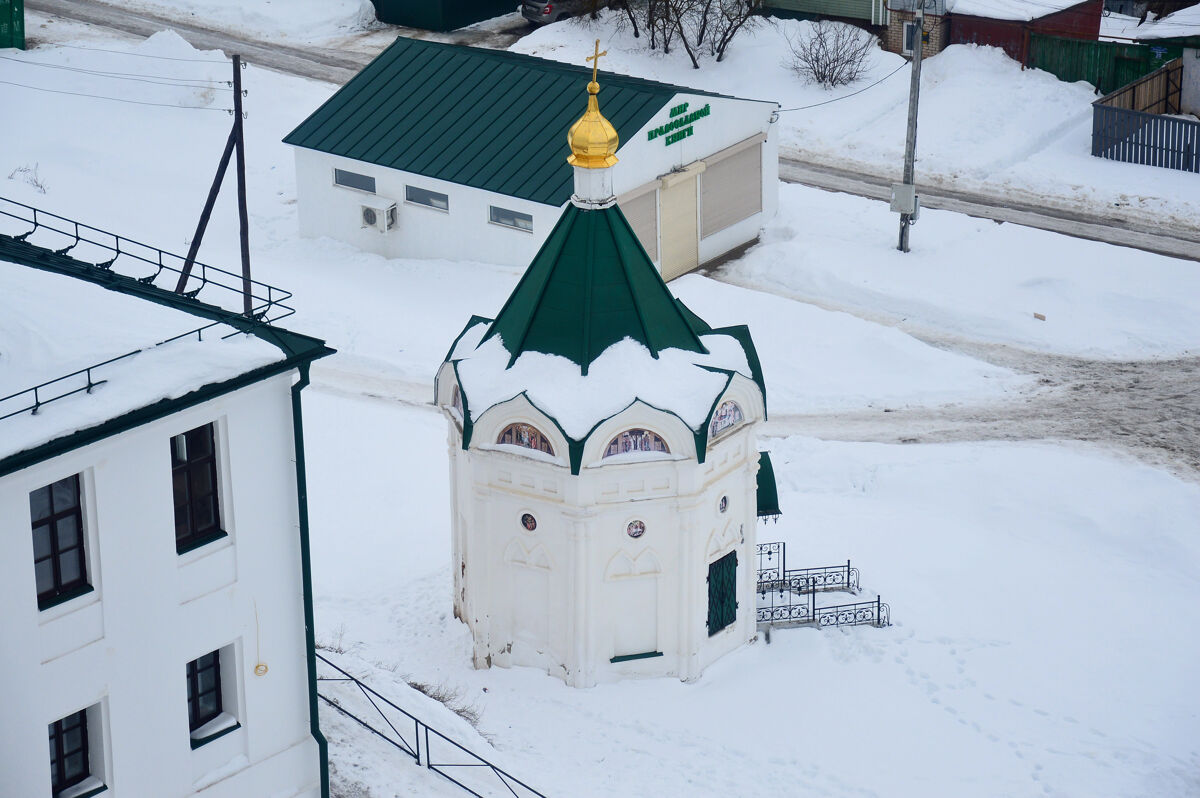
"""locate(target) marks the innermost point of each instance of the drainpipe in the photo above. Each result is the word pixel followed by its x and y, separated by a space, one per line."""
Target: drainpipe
pixel 306 575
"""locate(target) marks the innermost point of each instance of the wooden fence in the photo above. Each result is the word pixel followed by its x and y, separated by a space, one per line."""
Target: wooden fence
pixel 1131 125
pixel 1105 65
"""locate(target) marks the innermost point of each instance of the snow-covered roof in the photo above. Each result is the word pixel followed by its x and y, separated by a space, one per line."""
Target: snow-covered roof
pixel 678 381
pixel 1184 22
pixel 52 325
pixel 1015 10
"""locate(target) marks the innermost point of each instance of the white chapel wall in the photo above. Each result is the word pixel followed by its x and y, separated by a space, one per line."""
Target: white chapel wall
pixel 126 644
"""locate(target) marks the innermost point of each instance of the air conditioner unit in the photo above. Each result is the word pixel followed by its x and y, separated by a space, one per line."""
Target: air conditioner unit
pixel 380 217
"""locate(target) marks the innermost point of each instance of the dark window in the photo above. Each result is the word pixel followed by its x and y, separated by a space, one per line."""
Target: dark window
pixel 69 751
pixel 58 558
pixel 910 37
pixel 194 482
pixel 430 199
pixel 354 180
pixel 204 689
pixel 503 216
pixel 722 593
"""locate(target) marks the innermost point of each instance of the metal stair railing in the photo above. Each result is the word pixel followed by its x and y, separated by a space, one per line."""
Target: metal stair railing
pixel 442 755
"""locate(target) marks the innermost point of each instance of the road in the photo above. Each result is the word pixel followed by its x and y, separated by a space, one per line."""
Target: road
pixel 1148 408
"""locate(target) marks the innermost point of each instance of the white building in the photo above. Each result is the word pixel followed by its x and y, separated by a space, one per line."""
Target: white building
pixel 443 151
pixel 603 458
pixel 154 594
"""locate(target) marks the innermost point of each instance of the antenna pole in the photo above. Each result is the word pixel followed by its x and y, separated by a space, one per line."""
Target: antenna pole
pixel 243 223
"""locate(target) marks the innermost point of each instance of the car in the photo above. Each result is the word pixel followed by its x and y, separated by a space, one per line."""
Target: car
pixel 543 12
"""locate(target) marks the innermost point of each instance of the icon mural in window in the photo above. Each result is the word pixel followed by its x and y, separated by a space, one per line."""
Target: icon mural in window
pixel 727 415
pixel 635 529
pixel 636 440
pixel 724 504
pixel 527 436
pixel 529 522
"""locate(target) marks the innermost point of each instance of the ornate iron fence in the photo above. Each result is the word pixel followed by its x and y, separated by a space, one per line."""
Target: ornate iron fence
pixel 405 732
pixel 773 573
pixel 786 607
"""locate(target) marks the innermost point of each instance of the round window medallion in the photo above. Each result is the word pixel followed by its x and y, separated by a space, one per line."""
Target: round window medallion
pixel 529 522
pixel 724 504
pixel 636 529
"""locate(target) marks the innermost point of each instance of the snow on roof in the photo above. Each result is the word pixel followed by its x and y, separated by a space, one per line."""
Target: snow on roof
pixel 677 381
pixel 52 325
pixel 1184 22
pixel 1017 10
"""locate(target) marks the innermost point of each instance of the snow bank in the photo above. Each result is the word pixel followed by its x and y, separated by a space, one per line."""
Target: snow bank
pixel 303 20
pixel 1019 10
pixel 975 279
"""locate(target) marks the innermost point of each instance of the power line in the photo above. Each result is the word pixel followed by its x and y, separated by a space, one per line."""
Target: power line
pixel 144 55
pixel 160 80
pixel 845 96
pixel 116 99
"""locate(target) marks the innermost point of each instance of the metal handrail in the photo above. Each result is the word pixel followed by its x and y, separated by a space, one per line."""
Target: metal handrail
pixel 265 298
pixel 421 729
pixel 775 607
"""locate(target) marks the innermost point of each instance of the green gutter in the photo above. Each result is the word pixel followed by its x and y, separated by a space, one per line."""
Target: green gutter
pixel 306 575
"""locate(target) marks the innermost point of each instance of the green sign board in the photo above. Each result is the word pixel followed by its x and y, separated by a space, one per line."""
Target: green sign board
pixel 680 126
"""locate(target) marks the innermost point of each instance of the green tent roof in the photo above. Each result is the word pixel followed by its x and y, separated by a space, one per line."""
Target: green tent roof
pixel 488 119
pixel 590 286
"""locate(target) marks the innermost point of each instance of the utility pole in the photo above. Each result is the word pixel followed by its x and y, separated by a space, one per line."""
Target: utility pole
pixel 904 195
pixel 234 144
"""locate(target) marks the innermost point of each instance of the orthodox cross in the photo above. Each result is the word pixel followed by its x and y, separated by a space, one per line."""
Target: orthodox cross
pixel 595 59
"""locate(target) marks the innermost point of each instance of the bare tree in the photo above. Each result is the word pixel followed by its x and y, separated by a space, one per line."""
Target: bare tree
pixel 831 54
pixel 730 17
pixel 693 24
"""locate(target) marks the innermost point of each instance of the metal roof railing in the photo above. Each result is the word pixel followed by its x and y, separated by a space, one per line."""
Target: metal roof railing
pixel 267 301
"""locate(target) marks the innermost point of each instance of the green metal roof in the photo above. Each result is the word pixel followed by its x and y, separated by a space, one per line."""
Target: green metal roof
pixel 488 119
pixel 590 286
pixel 768 492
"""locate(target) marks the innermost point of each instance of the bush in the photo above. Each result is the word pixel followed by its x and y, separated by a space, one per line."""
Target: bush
pixel 831 54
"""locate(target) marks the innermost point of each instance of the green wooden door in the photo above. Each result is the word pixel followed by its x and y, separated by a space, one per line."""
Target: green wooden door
pixel 722 593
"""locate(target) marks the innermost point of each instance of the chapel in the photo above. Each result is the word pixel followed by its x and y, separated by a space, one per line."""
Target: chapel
pixel 603 459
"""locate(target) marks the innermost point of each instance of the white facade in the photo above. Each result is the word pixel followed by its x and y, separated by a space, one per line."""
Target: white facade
pixel 577 595
pixel 120 651
pixel 464 231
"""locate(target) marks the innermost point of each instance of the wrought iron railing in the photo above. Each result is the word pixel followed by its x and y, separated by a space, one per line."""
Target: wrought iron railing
pixel 787 607
pixel 439 753
pixel 124 254
pixel 773 573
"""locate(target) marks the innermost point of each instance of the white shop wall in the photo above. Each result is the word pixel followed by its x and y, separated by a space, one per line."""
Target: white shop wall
pixel 126 644
pixel 464 232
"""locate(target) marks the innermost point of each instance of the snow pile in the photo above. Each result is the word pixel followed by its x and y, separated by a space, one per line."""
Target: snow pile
pixel 1019 10
pixel 677 381
pixel 985 124
pixel 303 20
pixel 975 279
pixel 51 326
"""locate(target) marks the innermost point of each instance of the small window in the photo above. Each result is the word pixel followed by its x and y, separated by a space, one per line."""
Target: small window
pixel 354 180
pixel 636 440
pixel 59 561
pixel 507 218
pixel 527 436
pixel 729 414
pixel 211 696
pixel 69 760
pixel 430 199
pixel 204 689
pixel 194 482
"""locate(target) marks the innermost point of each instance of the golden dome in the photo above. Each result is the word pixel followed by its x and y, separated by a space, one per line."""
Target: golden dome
pixel 593 139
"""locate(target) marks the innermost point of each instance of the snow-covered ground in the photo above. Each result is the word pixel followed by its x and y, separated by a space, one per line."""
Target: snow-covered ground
pixel 985 124
pixel 1043 595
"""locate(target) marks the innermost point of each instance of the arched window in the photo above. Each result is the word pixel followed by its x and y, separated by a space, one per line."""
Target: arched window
pixel 456 400
pixel 636 440
pixel 727 415
pixel 525 435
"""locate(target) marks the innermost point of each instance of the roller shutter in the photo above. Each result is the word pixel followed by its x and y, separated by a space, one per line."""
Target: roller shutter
pixel 680 244
pixel 640 207
pixel 731 187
